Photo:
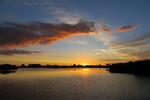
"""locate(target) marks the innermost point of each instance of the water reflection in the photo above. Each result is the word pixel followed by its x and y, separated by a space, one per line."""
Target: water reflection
pixel 67 84
pixel 6 72
pixel 45 72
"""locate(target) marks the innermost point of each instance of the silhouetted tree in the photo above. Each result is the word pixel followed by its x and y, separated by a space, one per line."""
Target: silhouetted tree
pixel 22 66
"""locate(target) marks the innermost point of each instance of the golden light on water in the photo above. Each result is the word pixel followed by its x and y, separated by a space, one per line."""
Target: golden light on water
pixel 85 69
pixel 30 73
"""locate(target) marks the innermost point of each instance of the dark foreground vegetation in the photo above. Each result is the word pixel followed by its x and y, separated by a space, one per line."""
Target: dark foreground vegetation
pixel 8 67
pixel 141 67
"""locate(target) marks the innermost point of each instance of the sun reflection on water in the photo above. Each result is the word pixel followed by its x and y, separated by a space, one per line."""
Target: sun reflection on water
pixel 85 69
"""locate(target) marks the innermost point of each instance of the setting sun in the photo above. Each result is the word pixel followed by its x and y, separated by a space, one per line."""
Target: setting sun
pixel 84 64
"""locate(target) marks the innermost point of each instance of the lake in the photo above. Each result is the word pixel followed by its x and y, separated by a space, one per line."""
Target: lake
pixel 72 84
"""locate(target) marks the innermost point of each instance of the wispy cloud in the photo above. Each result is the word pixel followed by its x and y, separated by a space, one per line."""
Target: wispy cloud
pixel 136 53
pixel 103 52
pixel 114 60
pixel 15 51
pixel 18 35
pixel 63 16
pixel 135 42
pixel 81 42
pixel 107 39
pixel 135 49
pixel 29 2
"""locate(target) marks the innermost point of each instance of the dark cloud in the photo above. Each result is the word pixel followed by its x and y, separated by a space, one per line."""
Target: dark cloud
pixel 15 51
pixel 18 35
pixel 127 28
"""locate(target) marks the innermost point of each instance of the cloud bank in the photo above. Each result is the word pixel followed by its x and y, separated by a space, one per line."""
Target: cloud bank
pixel 19 35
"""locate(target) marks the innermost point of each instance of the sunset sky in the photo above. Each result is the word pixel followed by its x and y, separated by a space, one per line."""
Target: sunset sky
pixel 67 32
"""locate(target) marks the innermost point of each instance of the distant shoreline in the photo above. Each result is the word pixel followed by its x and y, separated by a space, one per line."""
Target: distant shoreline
pixel 141 67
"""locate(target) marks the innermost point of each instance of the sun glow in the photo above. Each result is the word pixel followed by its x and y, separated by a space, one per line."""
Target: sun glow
pixel 84 64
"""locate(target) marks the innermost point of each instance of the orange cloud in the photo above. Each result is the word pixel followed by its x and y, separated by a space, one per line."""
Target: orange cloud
pixel 105 30
pixel 121 29
pixel 19 35
pixel 127 28
pixel 103 26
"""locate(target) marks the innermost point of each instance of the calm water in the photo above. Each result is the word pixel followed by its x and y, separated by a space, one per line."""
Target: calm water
pixel 70 84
